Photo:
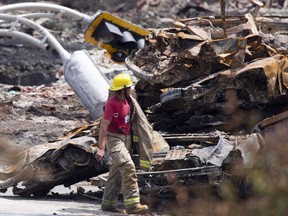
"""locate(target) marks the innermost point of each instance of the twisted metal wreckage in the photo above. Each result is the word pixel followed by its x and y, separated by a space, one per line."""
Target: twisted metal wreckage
pixel 211 86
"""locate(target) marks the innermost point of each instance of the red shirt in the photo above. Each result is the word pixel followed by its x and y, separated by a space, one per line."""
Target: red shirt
pixel 118 113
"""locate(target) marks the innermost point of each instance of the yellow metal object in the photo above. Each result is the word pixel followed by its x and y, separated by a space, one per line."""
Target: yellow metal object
pixel 115 30
pixel 121 81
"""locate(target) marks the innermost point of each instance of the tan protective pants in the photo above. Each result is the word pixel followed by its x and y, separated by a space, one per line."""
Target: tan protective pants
pixel 122 173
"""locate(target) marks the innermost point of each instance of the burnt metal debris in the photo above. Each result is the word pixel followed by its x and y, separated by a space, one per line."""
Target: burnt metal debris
pixel 66 161
pixel 71 159
pixel 199 80
pixel 204 84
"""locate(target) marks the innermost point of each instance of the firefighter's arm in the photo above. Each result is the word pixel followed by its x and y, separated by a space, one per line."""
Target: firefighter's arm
pixel 102 139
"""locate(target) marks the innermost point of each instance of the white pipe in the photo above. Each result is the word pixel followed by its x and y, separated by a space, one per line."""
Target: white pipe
pixel 65 56
pixel 39 15
pixel 24 37
pixel 47 6
pixel 36 16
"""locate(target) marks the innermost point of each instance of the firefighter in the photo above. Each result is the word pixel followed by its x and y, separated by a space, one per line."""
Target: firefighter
pixel 116 129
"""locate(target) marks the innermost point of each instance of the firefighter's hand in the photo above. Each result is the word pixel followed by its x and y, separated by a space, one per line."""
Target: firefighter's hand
pixel 99 154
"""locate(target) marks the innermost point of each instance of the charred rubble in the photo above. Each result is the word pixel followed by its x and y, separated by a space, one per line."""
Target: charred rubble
pixel 205 84
pixel 195 79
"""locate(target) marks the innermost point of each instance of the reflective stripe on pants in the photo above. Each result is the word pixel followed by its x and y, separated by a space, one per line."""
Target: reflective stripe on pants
pixel 122 173
pixel 145 164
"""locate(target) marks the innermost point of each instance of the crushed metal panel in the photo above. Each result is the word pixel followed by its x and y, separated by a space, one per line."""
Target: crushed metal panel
pixel 270 68
pixel 231 51
pixel 215 154
pixel 249 26
pixel 257 78
pixel 185 53
pixel 204 35
pixel 221 151
pixel 177 59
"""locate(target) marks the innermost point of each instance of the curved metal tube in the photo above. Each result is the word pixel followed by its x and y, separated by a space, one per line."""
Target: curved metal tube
pixel 37 16
pixel 24 37
pixel 47 6
pixel 65 56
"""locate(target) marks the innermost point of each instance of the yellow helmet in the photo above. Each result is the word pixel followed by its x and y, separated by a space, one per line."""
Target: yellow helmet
pixel 121 81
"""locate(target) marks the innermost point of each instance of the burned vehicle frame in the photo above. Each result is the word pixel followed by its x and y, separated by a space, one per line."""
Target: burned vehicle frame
pixel 71 159
pixel 39 169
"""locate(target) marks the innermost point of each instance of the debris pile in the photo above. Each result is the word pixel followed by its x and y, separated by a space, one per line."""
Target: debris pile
pixel 206 78
pixel 199 76
pixel 65 161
